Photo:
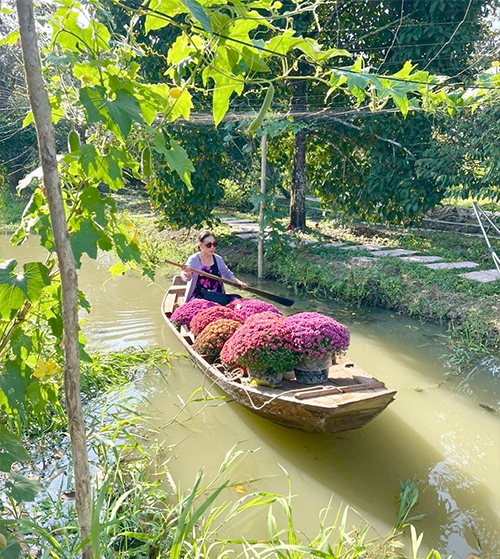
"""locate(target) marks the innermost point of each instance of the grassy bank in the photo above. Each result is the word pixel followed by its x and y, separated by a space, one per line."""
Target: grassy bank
pixel 470 310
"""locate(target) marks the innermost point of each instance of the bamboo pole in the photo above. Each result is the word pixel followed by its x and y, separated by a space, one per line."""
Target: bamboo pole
pixel 263 172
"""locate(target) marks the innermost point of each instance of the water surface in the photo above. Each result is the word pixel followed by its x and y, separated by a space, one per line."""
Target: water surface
pixel 440 430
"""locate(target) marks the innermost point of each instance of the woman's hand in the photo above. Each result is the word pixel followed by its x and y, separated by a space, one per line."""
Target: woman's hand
pixel 242 284
pixel 186 272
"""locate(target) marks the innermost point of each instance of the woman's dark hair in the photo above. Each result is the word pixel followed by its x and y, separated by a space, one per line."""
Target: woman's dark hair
pixel 205 234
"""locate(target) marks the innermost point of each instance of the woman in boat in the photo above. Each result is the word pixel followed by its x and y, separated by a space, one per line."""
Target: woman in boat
pixel 206 260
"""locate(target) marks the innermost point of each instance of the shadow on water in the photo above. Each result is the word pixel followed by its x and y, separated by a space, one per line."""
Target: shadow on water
pixel 363 468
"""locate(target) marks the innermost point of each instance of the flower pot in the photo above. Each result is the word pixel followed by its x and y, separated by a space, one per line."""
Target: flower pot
pixel 263 377
pixel 313 371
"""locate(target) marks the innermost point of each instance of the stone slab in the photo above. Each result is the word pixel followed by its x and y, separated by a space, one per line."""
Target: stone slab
pixel 451 265
pixel 421 259
pixel 483 276
pixel 232 221
pixel 333 244
pixel 394 252
pixel 363 247
pixel 247 235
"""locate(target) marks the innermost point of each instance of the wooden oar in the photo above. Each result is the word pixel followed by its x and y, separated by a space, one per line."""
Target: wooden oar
pixel 277 298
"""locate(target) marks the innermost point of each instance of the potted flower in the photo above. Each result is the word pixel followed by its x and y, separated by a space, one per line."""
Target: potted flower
pixel 204 318
pixel 183 315
pixel 211 341
pixel 318 338
pixel 264 348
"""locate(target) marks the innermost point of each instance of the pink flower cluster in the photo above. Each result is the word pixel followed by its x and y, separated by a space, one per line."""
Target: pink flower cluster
pixel 247 307
pixel 316 335
pixel 261 344
pixel 183 315
pixel 207 316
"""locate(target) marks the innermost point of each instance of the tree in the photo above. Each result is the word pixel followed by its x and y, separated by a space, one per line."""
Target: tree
pixel 438 38
pixel 40 104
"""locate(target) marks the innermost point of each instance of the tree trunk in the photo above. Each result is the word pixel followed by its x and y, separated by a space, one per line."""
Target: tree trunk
pixel 298 186
pixel 47 149
pixel 298 191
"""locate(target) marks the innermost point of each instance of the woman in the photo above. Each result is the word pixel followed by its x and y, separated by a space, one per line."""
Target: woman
pixel 199 287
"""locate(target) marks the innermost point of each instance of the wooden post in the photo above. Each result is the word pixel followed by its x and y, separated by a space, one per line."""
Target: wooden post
pixel 40 105
pixel 263 169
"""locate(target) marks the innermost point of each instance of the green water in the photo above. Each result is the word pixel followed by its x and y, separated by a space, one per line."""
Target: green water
pixel 441 432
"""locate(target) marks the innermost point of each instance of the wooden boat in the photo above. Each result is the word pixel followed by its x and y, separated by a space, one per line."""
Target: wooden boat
pixel 348 400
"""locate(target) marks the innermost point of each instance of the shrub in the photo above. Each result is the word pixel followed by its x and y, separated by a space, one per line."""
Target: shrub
pixel 261 345
pixel 183 315
pixel 206 317
pixel 211 341
pixel 315 335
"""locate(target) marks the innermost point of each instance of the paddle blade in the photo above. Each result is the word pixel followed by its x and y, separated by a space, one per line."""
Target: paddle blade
pixel 271 296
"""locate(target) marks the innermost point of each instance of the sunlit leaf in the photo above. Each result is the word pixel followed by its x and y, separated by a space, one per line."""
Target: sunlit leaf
pixel 178 160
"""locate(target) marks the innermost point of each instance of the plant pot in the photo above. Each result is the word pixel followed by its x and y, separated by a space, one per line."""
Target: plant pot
pixel 263 377
pixel 313 371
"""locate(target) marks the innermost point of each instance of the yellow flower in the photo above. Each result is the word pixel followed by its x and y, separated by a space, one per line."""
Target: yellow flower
pixel 495 63
pixel 46 368
pixel 175 92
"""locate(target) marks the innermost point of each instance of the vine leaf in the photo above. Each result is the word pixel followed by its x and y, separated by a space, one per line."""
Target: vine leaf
pixel 178 160
pixel 199 14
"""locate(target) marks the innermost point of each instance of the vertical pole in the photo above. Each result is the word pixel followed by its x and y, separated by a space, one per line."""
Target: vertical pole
pixel 263 168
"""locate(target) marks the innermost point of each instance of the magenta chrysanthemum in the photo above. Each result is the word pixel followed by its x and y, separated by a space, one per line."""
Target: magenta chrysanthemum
pixel 183 315
pixel 237 303
pixel 254 306
pixel 266 344
pixel 210 342
pixel 315 335
pixel 263 316
pixel 207 316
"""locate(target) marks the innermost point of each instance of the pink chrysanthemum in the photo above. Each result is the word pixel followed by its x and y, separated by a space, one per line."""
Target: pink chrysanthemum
pixel 254 306
pixel 315 335
pixel 266 344
pixel 207 316
pixel 183 315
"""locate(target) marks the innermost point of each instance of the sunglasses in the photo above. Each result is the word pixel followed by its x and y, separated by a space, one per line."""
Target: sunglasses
pixel 210 245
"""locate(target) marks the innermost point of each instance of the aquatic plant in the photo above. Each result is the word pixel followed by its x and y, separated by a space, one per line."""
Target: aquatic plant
pixel 211 341
pixel 316 335
pixel 207 316
pixel 254 306
pixel 261 345
pixel 183 315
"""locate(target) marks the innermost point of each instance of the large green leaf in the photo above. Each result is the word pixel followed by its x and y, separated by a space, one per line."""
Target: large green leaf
pixel 13 383
pixel 85 239
pixel 11 450
pixel 16 288
pixel 198 13
pixel 21 488
pixel 178 160
pixel 170 8
pixel 124 110
pixel 12 294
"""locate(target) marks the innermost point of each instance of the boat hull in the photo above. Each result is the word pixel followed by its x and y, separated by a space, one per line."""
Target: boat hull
pixel 348 400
